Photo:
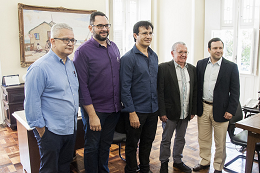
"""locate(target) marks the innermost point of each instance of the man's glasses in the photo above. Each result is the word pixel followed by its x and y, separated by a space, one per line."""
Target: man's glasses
pixel 147 33
pixel 100 26
pixel 67 40
pixel 182 53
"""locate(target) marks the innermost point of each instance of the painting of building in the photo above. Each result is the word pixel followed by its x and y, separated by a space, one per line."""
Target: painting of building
pixel 40 34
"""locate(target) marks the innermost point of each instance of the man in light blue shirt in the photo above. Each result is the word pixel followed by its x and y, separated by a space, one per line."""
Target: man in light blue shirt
pixel 51 101
pixel 217 101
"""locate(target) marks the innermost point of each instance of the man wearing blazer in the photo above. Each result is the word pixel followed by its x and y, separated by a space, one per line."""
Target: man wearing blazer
pixel 218 98
pixel 177 93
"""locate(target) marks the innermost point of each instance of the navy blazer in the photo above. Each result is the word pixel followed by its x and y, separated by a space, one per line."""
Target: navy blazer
pixel 226 92
pixel 169 93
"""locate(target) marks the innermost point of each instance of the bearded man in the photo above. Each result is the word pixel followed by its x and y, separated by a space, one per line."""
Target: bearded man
pixel 97 62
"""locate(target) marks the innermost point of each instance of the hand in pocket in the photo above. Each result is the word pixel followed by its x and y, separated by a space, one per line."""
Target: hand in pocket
pixel 41 131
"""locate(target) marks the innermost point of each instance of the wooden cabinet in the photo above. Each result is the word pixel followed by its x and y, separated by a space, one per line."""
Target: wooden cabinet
pixel 13 97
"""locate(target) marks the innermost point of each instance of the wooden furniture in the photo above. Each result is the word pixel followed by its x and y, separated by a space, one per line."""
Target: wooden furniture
pixel 252 124
pixel 13 97
pixel 29 151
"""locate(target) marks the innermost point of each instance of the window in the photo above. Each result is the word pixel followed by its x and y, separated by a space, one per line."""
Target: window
pixel 37 36
pixel 238 33
pixel 227 12
pixel 125 14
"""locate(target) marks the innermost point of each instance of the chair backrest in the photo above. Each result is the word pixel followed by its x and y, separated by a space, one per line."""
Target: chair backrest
pixel 121 124
pixel 237 117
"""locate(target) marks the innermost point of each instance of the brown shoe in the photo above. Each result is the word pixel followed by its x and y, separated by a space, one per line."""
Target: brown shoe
pixel 199 167
pixel 216 171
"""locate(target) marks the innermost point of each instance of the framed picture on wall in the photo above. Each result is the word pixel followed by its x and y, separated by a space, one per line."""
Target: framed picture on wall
pixel 35 24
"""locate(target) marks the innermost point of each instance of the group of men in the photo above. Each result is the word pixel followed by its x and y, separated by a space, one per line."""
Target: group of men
pixel 103 85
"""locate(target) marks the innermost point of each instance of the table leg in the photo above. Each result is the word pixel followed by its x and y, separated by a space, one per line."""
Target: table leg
pixel 250 150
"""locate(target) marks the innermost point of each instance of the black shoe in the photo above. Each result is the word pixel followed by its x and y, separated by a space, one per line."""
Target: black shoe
pixel 216 171
pixel 182 167
pixel 199 167
pixel 164 167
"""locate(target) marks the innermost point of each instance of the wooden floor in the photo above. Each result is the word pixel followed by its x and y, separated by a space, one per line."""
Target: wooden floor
pixel 10 159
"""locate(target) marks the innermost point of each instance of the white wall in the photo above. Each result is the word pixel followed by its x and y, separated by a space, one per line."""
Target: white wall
pixel 9 48
pixel 212 21
pixel 180 21
pixel 198 47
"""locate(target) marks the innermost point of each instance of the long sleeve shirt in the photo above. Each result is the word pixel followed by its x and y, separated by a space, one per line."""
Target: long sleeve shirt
pixel 51 94
pixel 210 79
pixel 138 76
pixel 184 97
pixel 98 72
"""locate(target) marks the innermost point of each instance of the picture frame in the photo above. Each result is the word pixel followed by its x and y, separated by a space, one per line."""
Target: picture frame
pixel 35 24
pixel 10 80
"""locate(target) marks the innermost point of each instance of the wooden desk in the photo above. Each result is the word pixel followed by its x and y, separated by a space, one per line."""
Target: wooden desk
pixel 252 124
pixel 28 147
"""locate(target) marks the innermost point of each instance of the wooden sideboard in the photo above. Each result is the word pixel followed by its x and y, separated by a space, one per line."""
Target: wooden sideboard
pixel 13 97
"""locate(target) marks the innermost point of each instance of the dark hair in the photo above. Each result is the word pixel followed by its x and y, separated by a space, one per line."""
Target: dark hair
pixel 214 40
pixel 94 14
pixel 145 24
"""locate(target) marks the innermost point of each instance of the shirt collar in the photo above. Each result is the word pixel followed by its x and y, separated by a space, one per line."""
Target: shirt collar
pixel 150 51
pixel 177 65
pixel 56 56
pixel 218 62
pixel 97 44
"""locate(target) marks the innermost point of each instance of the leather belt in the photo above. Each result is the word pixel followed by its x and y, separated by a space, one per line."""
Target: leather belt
pixel 209 103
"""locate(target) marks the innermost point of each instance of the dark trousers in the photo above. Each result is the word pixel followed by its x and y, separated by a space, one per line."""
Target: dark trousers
pixel 97 143
pixel 145 133
pixel 56 151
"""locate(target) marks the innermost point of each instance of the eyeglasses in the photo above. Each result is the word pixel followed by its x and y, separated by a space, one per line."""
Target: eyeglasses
pixel 145 34
pixel 100 26
pixel 67 40
pixel 181 53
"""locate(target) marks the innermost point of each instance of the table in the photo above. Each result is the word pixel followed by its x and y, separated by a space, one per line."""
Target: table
pixel 28 147
pixel 252 124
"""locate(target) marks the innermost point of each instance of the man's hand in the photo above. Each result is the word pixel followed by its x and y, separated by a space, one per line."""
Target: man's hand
pixel 228 115
pixel 191 117
pixel 94 123
pixel 134 120
pixel 41 131
pixel 163 118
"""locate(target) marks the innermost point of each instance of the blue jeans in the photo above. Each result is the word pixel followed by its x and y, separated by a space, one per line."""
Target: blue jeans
pixel 97 143
pixel 56 151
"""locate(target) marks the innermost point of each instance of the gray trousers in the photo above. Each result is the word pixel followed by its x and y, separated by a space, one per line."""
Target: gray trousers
pixel 179 141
